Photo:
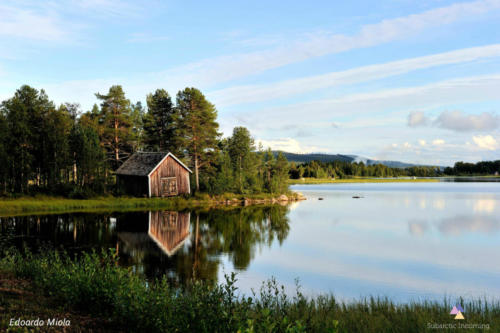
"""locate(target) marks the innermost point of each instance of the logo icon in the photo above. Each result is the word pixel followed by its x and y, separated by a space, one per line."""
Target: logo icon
pixel 458 312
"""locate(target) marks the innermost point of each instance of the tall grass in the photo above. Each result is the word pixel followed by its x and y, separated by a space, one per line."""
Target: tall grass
pixel 41 204
pixel 94 282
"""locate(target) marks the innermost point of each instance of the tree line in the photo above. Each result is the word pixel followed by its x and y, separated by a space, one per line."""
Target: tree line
pixel 62 150
pixel 472 169
pixel 341 169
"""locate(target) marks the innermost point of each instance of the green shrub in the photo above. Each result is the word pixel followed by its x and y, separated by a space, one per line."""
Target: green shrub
pixel 93 282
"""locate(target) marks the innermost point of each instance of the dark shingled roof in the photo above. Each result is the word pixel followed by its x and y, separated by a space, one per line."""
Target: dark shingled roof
pixel 140 164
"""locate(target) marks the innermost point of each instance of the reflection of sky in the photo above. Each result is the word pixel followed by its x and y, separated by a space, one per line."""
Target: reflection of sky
pixel 400 240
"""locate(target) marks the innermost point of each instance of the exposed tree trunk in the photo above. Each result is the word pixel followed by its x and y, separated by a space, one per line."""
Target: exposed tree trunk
pixel 196 172
pixel 196 166
pixel 117 152
pixel 75 178
pixel 241 187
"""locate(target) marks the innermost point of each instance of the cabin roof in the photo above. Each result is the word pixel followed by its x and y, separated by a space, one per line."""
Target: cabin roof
pixel 143 163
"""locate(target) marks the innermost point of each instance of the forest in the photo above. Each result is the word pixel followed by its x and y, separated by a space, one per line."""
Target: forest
pixel 60 150
pixel 341 169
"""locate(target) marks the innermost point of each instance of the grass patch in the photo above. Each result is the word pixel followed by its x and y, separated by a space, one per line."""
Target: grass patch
pixel 360 180
pixel 96 284
pixel 47 204
pixel 20 300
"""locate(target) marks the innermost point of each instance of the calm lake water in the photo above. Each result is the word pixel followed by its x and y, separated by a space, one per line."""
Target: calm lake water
pixel 406 241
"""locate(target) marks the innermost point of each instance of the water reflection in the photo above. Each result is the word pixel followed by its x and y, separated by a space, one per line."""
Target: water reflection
pixel 463 224
pixel 169 229
pixel 457 225
pixel 400 240
pixel 417 228
pixel 485 205
pixel 184 245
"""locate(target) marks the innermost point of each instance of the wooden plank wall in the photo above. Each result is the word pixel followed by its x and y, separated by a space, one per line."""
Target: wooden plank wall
pixel 170 168
pixel 169 228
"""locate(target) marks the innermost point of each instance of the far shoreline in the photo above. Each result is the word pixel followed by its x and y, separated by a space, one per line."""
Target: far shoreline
pixel 307 181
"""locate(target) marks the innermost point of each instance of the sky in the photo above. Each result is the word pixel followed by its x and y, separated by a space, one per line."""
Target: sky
pixel 414 81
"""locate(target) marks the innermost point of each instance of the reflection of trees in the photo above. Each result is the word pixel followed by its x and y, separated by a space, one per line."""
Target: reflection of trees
pixel 235 232
pixel 75 232
pixel 183 249
pixel 239 231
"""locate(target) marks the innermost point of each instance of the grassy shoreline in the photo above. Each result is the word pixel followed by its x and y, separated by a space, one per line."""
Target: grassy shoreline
pixel 47 204
pixel 94 287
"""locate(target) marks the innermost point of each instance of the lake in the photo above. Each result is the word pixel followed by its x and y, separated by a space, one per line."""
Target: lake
pixel 406 241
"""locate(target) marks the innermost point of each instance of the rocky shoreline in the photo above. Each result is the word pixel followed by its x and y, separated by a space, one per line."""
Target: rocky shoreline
pixel 281 200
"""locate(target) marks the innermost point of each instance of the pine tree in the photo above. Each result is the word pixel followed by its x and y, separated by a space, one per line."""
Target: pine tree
pixel 137 117
pixel 24 145
pixel 116 125
pixel 197 129
pixel 88 154
pixel 280 174
pixel 160 123
pixel 240 146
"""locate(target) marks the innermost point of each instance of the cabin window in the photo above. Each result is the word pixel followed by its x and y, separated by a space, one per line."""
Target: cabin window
pixel 168 186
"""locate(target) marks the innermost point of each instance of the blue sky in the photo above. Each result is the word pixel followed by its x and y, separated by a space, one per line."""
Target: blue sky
pixel 415 81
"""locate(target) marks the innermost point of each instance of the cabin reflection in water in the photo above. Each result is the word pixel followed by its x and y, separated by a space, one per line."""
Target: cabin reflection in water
pixel 142 233
pixel 169 229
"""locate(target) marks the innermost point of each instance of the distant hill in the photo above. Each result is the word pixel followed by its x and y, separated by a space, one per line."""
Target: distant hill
pixel 303 158
pixel 391 164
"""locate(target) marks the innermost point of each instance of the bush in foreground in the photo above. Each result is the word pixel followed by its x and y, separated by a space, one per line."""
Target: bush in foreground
pixel 94 282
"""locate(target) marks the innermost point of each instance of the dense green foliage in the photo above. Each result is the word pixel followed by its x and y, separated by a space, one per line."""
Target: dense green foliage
pixel 339 169
pixel 62 151
pixel 197 129
pixel 472 169
pixel 316 169
pixel 244 169
pixel 160 123
pixel 95 284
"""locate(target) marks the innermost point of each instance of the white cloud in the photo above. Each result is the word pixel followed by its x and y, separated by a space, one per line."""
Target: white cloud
pixel 459 121
pixel 417 118
pixel 438 142
pixel 226 68
pixel 208 72
pixel 257 93
pixel 26 23
pixel 289 145
pixel 58 20
pixel 485 142
pixel 468 89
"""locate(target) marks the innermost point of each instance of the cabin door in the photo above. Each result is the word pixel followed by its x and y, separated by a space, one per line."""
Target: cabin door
pixel 169 220
pixel 169 186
